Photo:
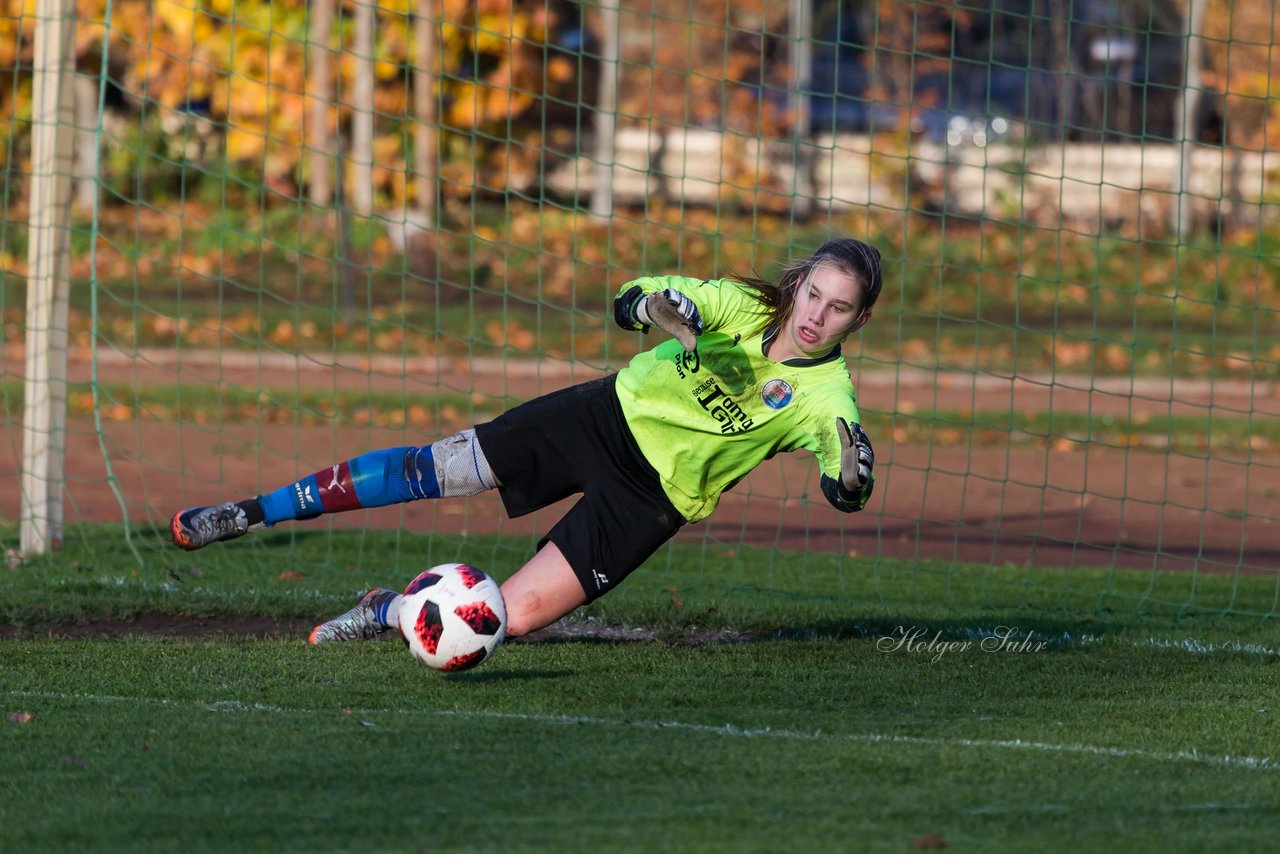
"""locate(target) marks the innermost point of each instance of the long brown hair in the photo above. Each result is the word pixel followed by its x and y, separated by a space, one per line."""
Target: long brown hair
pixel 852 257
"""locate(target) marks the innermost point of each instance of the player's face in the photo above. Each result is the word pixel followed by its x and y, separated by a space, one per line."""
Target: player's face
pixel 827 310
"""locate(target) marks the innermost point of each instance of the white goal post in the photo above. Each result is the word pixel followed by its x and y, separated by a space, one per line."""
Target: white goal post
pixel 48 284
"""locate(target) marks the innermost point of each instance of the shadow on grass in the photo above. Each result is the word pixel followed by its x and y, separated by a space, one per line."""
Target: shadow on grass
pixel 908 630
pixel 485 675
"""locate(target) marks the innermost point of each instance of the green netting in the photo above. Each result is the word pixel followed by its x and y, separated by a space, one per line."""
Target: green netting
pixel 278 262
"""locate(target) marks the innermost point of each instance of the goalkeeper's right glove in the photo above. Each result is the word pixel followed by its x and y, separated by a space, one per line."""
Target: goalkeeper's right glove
pixel 856 459
pixel 673 313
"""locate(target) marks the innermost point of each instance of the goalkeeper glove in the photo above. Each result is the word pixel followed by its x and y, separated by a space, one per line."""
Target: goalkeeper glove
pixel 673 313
pixel 856 458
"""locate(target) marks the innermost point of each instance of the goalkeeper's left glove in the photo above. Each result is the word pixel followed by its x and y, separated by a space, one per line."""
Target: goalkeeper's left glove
pixel 856 458
pixel 673 313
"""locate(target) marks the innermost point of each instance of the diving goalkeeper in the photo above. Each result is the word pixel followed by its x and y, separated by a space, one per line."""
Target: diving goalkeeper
pixel 753 368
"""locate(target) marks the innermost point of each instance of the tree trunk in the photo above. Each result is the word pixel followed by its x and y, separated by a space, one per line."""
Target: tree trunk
pixel 362 111
pixel 320 88
pixel 1188 107
pixel 425 143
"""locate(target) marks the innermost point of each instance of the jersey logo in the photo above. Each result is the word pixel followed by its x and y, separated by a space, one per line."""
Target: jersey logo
pixel 776 394
pixel 687 363
pixel 723 408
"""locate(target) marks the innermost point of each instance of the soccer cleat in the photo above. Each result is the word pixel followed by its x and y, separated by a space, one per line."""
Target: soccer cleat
pixel 360 623
pixel 197 527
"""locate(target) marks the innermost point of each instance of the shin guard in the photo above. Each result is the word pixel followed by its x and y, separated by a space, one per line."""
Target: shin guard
pixel 452 467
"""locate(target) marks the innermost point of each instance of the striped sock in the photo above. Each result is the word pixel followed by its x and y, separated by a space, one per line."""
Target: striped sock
pixel 375 479
pixel 387 612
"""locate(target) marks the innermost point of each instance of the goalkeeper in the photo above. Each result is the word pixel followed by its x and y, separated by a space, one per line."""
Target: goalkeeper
pixel 753 368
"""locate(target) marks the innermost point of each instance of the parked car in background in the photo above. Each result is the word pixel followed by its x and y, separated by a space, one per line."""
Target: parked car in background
pixel 839 84
pixel 1111 69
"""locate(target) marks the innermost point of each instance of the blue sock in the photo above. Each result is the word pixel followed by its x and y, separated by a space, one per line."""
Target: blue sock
pixel 375 479
pixel 385 615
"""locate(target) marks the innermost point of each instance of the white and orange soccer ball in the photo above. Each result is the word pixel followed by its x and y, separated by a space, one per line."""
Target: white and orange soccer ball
pixel 453 617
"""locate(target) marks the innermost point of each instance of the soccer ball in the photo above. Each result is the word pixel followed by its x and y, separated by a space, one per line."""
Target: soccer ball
pixel 453 617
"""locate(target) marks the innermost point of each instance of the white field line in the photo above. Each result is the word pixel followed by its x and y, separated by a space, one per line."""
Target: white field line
pixel 723 730
pixel 1191 645
pixel 1062 809
pixel 1203 647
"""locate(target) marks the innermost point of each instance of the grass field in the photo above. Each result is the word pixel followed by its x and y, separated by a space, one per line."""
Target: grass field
pixel 770 702
pixel 537 283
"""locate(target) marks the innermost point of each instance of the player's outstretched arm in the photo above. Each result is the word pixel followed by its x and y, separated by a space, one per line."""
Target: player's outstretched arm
pixel 668 309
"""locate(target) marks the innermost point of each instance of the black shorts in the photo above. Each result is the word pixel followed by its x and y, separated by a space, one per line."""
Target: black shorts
pixel 576 440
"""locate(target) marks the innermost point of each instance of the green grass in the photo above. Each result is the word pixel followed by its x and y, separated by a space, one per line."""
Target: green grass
pixel 779 706
pixel 276 405
pixel 306 572
pixel 794 745
pixel 989 297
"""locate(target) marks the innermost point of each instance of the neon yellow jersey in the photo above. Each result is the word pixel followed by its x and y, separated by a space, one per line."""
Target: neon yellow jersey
pixel 705 419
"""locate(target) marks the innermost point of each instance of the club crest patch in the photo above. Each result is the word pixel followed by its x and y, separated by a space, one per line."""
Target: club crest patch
pixel 776 394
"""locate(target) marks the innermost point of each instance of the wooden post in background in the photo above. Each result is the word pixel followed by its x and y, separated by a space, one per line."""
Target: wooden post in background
pixel 426 144
pixel 800 26
pixel 320 90
pixel 606 118
pixel 362 108
pixel 1185 129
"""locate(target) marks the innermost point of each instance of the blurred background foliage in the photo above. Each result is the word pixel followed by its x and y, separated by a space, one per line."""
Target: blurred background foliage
pixel 214 83
pixel 201 81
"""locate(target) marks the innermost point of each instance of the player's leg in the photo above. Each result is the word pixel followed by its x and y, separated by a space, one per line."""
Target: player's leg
pixel 607 534
pixel 541 452
pixel 541 592
pixel 452 467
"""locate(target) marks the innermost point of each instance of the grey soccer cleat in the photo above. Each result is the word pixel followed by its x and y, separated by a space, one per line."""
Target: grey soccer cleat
pixel 360 623
pixel 197 527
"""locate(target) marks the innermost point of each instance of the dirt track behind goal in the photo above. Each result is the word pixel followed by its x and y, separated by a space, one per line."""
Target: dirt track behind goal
pixel 1051 504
